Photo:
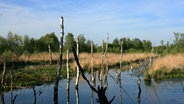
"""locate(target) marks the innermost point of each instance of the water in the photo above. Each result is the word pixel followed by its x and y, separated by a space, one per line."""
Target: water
pixel 125 89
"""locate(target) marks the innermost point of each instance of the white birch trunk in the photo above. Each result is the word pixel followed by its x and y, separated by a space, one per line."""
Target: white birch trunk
pixel 77 78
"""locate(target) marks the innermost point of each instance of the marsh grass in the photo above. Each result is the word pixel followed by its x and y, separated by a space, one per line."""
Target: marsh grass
pixel 169 66
pixel 32 76
pixel 36 75
pixel 112 59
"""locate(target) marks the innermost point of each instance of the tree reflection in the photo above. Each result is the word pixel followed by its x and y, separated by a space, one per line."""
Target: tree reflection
pixel 139 88
pixel 77 95
pixel 118 81
pixel 34 93
pixel 2 98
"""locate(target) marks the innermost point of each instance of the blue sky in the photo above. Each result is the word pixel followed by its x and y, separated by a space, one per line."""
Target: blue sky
pixel 153 20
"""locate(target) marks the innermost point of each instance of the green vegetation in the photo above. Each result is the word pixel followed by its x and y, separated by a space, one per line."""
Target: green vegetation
pixel 32 76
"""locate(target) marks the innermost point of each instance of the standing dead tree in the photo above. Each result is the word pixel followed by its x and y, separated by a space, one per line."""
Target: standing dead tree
pixel 60 61
pixel 77 79
pixel 92 63
pixel 102 99
pixel 3 74
pixel 50 53
pixel 121 45
pixel 68 78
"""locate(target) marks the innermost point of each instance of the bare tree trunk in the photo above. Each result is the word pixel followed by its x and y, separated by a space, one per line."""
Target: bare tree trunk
pixel 77 79
pixel 92 62
pixel 60 61
pixel 107 66
pixel 102 69
pixel 50 53
pixel 68 79
pixel 121 55
pixel 3 73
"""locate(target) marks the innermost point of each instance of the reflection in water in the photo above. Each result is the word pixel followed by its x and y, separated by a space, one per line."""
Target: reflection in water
pixel 56 93
pixel 34 93
pixel 77 95
pixel 118 81
pixel 68 91
pixel 2 98
pixel 93 84
pixel 139 88
pixel 106 80
pixel 152 91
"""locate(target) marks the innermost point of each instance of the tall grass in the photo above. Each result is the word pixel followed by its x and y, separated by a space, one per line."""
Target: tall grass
pixel 169 64
pixel 112 58
pixel 85 58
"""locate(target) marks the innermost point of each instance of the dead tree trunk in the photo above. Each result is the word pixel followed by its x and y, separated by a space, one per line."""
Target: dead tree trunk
pixel 68 79
pixel 106 63
pixel 121 55
pixel 92 62
pixel 60 61
pixel 3 74
pixel 50 53
pixel 77 79
pixel 102 69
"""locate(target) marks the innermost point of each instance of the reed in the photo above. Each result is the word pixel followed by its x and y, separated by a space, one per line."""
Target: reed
pixel 113 59
pixel 167 65
pixel 38 57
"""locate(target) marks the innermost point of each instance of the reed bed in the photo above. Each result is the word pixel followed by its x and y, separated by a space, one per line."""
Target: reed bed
pixel 85 58
pixel 44 56
pixel 111 58
pixel 169 64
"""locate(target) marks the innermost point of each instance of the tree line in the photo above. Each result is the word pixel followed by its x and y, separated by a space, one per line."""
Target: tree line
pixel 19 44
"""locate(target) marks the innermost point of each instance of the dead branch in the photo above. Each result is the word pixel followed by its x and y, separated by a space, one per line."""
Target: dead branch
pixel 102 99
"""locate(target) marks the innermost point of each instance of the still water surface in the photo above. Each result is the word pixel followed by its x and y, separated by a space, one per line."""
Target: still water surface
pixel 125 89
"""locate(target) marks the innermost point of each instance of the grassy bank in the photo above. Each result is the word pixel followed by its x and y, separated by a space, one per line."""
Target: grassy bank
pixel 33 75
pixel 169 66
pixel 39 74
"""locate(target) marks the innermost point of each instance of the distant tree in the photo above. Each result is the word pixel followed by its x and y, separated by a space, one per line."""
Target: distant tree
pixel 162 42
pixel 69 42
pixel 137 44
pixel 15 43
pixel 48 39
pixel 147 45
pixel 179 41
pixel 27 44
pixel 82 44
pixel 3 44
pixel 115 42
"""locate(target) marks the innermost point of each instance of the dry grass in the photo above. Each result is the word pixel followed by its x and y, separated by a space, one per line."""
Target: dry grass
pixel 168 63
pixel 39 57
pixel 85 58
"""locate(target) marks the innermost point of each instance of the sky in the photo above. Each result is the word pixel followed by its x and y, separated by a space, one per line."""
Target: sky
pixel 153 20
